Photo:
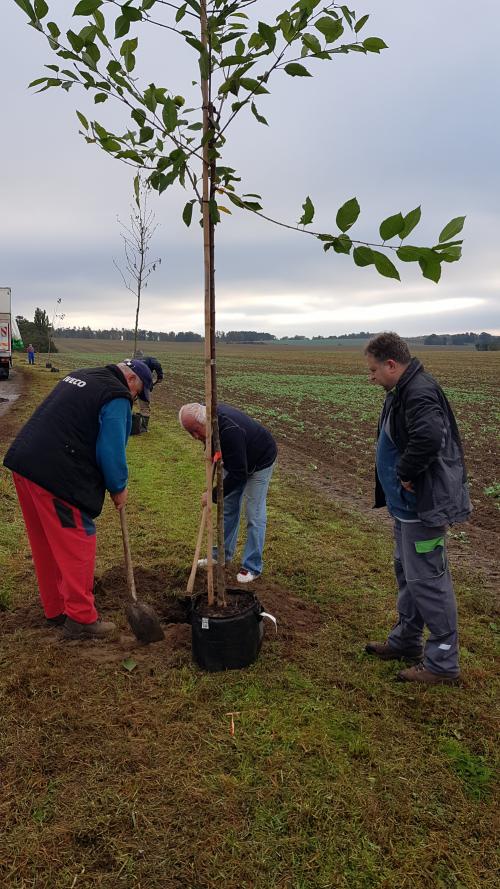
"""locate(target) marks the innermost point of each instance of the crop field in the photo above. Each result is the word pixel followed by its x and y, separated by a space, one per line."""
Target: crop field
pixel 117 765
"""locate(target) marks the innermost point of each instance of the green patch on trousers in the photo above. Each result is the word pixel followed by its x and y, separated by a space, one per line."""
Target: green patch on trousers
pixel 427 546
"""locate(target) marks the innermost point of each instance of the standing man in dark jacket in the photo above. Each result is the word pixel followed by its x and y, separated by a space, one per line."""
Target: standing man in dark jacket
pixel 155 368
pixel 421 478
pixel 63 460
pixel 249 454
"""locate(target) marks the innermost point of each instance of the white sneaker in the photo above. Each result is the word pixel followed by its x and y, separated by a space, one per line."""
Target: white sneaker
pixel 202 563
pixel 245 576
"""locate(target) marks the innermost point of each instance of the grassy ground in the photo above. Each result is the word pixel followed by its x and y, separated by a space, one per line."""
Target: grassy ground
pixel 336 775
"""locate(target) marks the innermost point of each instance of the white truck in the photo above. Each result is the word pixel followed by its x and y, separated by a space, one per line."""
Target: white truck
pixel 9 333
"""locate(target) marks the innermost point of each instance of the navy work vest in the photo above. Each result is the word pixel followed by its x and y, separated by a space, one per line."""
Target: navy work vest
pixel 56 448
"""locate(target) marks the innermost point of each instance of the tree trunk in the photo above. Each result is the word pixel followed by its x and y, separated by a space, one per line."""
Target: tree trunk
pixel 205 93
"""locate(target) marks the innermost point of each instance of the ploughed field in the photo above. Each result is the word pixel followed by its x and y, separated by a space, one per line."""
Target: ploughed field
pixel 117 764
pixel 318 402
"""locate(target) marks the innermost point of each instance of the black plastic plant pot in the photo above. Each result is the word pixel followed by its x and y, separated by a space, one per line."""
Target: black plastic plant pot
pixel 229 642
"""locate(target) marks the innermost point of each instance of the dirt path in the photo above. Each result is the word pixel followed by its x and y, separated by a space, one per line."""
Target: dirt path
pixel 11 389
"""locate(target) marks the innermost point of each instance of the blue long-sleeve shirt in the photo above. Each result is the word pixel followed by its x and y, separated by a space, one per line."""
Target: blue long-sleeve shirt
pixel 115 423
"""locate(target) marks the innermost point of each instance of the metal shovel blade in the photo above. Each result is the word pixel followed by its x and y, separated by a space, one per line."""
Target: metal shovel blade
pixel 144 622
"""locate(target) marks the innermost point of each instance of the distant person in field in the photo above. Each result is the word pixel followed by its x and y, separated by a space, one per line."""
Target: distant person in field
pixel 421 478
pixel 63 460
pixel 31 354
pixel 249 455
pixel 156 369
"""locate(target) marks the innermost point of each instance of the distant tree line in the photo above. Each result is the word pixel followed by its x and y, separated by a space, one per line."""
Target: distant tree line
pixel 122 334
pixel 36 332
pixel 480 340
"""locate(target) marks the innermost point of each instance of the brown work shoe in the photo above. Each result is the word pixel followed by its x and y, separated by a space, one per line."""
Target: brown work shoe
pixel 385 652
pixel 419 673
pixel 73 629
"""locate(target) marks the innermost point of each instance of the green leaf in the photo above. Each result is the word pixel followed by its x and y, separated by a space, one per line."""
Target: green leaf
pixel 331 28
pixel 110 144
pixel 100 97
pixel 169 115
pixel 129 664
pixel 374 44
pixel 53 30
pixel 214 212
pixel 181 12
pixel 187 213
pixel 308 214
pixel 347 214
pixel 75 41
pixel 26 7
pixel 311 42
pixel 342 244
pixel 37 82
pixel 384 265
pixel 451 253
pixel 296 70
pixel 122 26
pixel 87 7
pixel 431 268
pixel 146 134
pixel 83 120
pixel 41 9
pixel 139 116
pixel 257 115
pixel 359 24
pixel 363 256
pixel 391 227
pixel 410 221
pixel 268 34
pixel 204 65
pixel 453 228
pixel 411 254
pixel 253 86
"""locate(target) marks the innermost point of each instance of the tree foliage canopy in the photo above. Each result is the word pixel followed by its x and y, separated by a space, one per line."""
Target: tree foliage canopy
pixel 164 138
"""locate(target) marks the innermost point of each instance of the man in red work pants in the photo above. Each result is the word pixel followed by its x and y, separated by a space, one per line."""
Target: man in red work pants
pixel 63 460
pixel 63 544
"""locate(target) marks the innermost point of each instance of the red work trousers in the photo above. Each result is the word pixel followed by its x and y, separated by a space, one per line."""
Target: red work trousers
pixel 63 543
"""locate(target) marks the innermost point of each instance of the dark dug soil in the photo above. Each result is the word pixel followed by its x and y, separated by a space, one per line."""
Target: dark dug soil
pixel 298 621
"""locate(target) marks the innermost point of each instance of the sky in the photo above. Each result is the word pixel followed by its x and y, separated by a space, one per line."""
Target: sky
pixel 416 125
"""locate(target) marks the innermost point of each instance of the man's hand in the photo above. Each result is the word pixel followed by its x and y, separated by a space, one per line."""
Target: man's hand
pixel 408 486
pixel 204 499
pixel 120 498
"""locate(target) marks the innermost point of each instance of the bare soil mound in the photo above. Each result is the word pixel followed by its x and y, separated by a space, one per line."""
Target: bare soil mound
pixel 163 587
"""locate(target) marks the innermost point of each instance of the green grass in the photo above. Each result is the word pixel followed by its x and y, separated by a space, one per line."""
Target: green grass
pixel 337 777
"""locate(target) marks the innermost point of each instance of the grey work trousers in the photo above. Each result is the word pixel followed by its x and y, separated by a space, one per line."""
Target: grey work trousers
pixel 425 596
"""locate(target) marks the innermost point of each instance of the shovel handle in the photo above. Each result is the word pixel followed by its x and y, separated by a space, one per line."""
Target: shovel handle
pixel 128 555
pixel 190 583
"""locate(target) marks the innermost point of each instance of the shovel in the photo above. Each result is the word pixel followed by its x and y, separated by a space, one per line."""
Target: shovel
pixel 142 617
pixel 190 583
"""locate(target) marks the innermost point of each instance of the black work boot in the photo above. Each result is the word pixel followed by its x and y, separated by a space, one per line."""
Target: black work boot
pixel 385 652
pixel 144 422
pixel 58 621
pixel 99 629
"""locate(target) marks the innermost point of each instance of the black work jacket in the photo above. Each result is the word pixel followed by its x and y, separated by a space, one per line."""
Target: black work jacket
pixel 425 432
pixel 246 446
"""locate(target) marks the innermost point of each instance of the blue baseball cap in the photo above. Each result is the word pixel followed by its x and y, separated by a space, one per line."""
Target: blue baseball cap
pixel 144 374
